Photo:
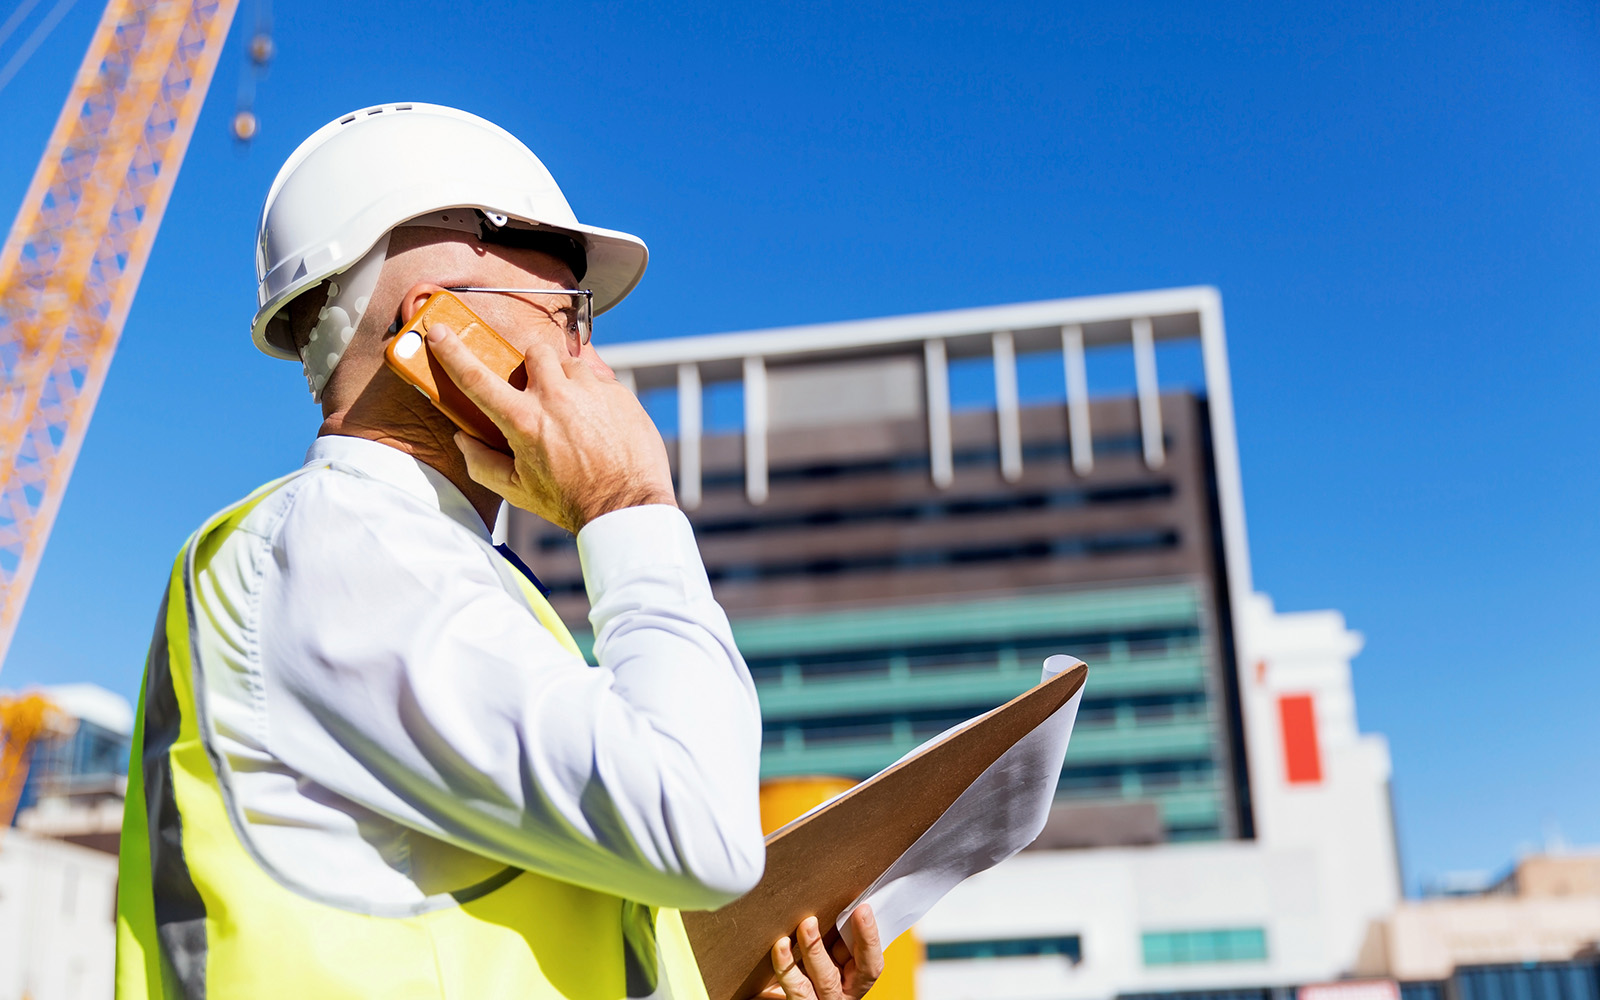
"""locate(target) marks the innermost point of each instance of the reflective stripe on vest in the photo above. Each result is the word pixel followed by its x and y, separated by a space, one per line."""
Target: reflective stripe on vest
pixel 198 913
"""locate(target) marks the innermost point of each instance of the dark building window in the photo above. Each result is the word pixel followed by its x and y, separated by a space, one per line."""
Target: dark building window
pixel 1530 981
pixel 1069 946
pixel 916 511
pixel 917 462
pixel 1260 993
pixel 1432 989
pixel 1092 713
pixel 1020 550
pixel 977 653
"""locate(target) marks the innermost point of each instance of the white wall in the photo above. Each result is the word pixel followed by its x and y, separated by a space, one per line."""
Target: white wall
pixel 1345 819
pixel 57 920
pixel 1110 898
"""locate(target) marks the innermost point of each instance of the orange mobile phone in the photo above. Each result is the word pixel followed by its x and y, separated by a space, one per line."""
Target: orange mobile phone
pixel 408 357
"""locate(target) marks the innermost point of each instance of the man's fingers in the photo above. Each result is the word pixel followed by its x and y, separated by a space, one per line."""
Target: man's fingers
pixel 485 465
pixel 868 951
pixel 791 980
pixel 484 387
pixel 819 964
pixel 544 362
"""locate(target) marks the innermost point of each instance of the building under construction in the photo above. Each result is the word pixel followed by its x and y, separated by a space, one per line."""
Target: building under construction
pixel 895 566
pixel 895 563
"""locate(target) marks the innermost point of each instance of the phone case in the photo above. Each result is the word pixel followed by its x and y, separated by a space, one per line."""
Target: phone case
pixel 408 356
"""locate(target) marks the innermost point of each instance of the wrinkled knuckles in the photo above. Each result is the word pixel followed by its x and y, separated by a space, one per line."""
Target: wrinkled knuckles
pixel 526 426
pixel 472 381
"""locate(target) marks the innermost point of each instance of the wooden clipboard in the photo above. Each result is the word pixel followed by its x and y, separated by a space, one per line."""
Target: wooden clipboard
pixel 821 862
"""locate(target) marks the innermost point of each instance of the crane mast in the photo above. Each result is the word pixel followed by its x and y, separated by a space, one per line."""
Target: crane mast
pixel 78 247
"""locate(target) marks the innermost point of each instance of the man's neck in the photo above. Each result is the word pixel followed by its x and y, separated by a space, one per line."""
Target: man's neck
pixel 420 431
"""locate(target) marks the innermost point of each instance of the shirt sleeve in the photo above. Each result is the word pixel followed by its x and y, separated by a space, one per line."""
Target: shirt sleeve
pixel 403 676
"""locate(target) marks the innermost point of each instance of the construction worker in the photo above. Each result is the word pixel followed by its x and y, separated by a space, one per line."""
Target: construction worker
pixel 370 760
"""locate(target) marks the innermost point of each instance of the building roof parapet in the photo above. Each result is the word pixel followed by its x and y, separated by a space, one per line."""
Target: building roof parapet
pixel 1036 326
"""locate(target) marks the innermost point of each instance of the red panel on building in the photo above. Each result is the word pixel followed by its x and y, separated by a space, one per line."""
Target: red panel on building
pixel 1300 752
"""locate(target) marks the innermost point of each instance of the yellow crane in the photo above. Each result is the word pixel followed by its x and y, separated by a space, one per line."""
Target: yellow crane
pixel 25 720
pixel 78 247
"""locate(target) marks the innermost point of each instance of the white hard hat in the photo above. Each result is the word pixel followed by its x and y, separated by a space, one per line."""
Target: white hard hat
pixel 359 177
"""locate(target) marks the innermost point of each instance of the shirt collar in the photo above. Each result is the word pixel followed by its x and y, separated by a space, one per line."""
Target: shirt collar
pixel 395 467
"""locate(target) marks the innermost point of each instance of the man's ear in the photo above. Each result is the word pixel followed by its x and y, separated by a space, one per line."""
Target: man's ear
pixel 412 301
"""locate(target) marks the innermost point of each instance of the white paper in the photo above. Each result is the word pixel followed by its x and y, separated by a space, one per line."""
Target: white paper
pixel 999 814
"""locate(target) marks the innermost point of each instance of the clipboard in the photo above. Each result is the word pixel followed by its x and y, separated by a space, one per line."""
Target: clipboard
pixel 818 864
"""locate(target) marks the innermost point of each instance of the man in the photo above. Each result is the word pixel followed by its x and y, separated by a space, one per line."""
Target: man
pixel 370 760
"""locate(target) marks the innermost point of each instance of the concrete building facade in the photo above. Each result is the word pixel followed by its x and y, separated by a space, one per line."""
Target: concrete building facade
pixel 894 563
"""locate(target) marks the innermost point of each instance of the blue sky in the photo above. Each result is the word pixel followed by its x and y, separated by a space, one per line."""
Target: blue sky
pixel 1397 202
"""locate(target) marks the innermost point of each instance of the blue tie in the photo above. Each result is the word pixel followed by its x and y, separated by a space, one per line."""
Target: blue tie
pixel 522 567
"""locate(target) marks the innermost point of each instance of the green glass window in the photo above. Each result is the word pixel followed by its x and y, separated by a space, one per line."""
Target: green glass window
pixel 1239 944
pixel 1069 947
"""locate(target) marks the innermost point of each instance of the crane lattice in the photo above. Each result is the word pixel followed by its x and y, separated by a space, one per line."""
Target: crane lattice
pixel 78 247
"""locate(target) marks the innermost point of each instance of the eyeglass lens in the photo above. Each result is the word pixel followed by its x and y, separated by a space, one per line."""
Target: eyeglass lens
pixel 578 317
pixel 583 319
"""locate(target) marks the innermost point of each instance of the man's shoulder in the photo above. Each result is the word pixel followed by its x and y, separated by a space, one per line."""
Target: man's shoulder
pixel 303 493
pixel 334 509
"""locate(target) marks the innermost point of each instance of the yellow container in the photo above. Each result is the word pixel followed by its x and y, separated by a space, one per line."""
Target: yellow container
pixel 783 799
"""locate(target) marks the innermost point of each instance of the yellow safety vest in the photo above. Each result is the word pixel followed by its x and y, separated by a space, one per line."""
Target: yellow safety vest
pixel 199 914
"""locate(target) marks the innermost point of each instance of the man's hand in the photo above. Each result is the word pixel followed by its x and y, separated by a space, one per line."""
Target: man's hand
pixel 581 445
pixel 818 974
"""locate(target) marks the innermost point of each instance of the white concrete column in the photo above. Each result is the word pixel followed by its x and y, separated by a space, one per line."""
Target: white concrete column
pixel 1144 368
pixel 1077 400
pixel 755 429
pixel 1225 454
pixel 1007 406
pixel 625 376
pixel 937 373
pixel 689 436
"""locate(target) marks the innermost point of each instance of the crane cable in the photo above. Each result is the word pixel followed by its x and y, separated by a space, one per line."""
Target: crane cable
pixel 41 31
pixel 23 10
pixel 258 51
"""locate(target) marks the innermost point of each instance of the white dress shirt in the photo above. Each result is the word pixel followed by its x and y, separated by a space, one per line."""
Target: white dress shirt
pixel 396 724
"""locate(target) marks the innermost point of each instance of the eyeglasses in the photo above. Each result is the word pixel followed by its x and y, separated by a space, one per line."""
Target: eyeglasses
pixel 577 318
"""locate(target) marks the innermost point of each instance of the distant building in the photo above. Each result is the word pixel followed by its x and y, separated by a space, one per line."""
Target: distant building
pixel 1547 909
pixel 76 785
pixel 894 564
pixel 1296 904
pixel 58 865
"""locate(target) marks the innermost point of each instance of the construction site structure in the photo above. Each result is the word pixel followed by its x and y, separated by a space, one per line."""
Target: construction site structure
pixel 25 720
pixel 904 516
pixel 78 247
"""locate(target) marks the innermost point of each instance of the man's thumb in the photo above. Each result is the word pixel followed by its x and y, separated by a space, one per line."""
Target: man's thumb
pixel 485 465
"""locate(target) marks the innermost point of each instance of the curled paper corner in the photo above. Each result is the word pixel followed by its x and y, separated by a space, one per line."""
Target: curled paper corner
pixel 995 817
pixel 1056 665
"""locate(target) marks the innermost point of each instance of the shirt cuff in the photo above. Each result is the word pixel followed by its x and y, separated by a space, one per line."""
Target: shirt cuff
pixel 652 542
